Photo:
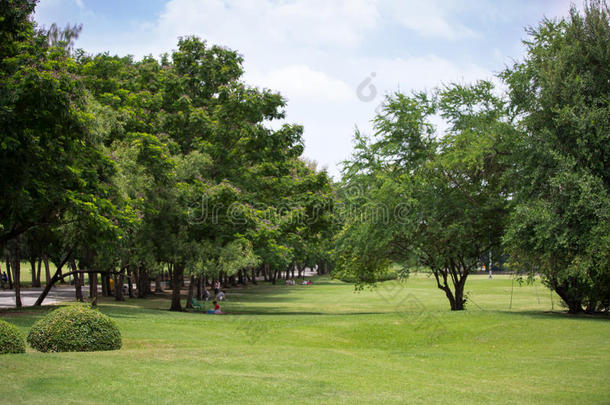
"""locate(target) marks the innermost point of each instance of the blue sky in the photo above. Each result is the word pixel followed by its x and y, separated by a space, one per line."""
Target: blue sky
pixel 317 53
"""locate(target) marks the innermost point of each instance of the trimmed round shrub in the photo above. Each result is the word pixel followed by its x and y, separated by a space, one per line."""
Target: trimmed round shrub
pixel 11 340
pixel 76 328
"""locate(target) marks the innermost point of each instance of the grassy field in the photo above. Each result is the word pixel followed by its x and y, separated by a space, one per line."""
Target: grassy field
pixel 325 343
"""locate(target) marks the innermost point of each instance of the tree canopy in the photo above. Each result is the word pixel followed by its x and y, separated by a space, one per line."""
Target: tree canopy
pixel 174 165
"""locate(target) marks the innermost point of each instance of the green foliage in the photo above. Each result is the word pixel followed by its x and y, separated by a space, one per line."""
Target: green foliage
pixel 75 328
pixel 422 197
pixel 561 91
pixel 143 165
pixel 387 273
pixel 11 340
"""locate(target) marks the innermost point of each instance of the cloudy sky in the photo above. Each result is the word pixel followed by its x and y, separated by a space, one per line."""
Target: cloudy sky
pixel 333 60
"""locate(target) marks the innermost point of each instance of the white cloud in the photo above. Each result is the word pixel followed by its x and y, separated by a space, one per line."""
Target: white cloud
pixel 304 83
pixel 426 72
pixel 298 23
pixel 429 19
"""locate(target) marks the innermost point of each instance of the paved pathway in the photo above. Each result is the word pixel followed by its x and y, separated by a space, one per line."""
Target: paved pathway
pixel 30 295
pixel 63 293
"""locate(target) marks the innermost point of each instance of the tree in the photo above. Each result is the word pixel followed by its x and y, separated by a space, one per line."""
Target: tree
pixel 49 161
pixel 438 198
pixel 561 225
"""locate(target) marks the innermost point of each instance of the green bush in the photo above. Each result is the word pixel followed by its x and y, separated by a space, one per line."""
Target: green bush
pixel 11 340
pixel 75 328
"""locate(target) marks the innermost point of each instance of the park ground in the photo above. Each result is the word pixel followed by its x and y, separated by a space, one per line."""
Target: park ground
pixel 326 343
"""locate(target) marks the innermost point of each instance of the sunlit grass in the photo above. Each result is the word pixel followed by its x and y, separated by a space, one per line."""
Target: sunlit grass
pixel 325 343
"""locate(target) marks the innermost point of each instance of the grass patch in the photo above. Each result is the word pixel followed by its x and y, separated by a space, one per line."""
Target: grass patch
pixel 326 343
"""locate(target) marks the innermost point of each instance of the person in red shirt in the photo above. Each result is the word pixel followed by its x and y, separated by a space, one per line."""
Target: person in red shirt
pixel 217 308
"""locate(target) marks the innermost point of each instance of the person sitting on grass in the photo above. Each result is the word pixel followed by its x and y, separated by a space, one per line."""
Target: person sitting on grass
pixel 216 310
pixel 221 296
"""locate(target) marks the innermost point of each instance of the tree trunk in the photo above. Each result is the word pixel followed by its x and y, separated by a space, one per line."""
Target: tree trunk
pixel 200 288
pixel 93 285
pixel 39 272
pixel 253 276
pixel 158 286
pixel 52 280
pixel 118 287
pixel 35 271
pixel 105 284
pixel 147 289
pixel 107 279
pixel 143 283
pixel 573 303
pixel 135 275
pixel 9 274
pixel 77 282
pixel 130 284
pixel 47 271
pixel 189 297
pixel 456 301
pixel 177 276
pixel 16 267
pixel 78 287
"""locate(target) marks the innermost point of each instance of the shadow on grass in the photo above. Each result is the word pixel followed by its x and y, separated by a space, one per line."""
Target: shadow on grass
pixel 562 314
pixel 295 313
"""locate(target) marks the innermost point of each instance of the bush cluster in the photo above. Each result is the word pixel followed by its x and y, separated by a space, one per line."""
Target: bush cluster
pixel 75 328
pixel 11 340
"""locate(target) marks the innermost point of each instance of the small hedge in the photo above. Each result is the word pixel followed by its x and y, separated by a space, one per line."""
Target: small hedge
pixel 11 340
pixel 75 328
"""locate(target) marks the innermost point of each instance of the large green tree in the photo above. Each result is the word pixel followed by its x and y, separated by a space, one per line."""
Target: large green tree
pixel 415 193
pixel 52 169
pixel 561 92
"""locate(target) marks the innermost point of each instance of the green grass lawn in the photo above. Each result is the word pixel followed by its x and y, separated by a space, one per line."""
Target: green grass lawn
pixel 325 343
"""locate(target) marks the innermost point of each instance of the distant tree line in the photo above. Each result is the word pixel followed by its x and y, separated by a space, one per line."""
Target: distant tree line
pixel 134 169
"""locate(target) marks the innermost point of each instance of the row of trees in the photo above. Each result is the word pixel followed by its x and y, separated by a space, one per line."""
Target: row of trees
pixel 525 173
pixel 115 166
pixel 122 168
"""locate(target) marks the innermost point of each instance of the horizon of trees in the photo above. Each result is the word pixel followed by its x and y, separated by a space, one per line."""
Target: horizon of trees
pixel 107 165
